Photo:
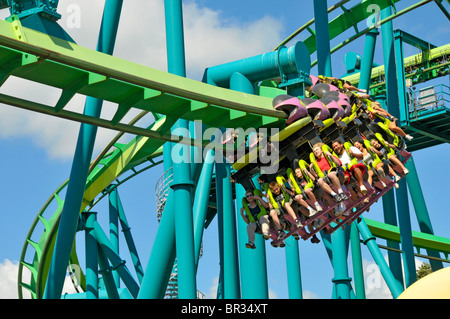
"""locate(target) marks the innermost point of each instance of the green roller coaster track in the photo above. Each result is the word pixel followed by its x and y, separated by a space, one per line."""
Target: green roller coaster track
pixel 34 56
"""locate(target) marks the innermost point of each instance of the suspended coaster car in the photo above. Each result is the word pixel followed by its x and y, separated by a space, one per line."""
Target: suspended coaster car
pixel 329 116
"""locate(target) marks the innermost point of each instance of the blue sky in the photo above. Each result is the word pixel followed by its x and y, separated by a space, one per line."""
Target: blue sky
pixel 37 151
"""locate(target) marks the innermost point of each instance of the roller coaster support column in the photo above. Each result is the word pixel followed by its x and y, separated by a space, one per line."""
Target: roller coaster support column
pixel 390 217
pixel 412 179
pixel 80 166
pixel 91 257
pixel 368 240
pixel 253 268
pixel 406 235
pixel 182 181
pixel 117 205
pixel 394 108
pixel 117 263
pixel 421 210
pixel 162 256
pixel 227 225
pixel 324 67
pixel 293 269
pixel 358 272
pixel 114 231
pixel 106 272
pixel 364 83
pixel 322 37
pixel 367 60
pixel 339 240
pixel 201 201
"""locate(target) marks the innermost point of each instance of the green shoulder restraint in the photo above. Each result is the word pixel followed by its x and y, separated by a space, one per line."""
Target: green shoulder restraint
pixel 312 158
pixel 247 209
pixel 271 198
pixel 291 175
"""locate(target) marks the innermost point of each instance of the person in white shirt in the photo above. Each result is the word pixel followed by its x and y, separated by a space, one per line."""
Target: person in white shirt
pixel 357 170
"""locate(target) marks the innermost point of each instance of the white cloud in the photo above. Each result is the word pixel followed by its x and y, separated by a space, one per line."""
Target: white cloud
pixel 376 287
pixel 310 295
pixel 208 41
pixel 212 291
pixel 8 281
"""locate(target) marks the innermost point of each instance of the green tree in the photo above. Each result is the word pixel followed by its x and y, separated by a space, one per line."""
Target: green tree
pixel 423 270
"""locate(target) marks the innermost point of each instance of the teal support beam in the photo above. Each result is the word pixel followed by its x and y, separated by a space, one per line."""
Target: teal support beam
pixel 107 278
pixel 394 107
pixel 401 80
pixel 182 182
pixel 358 272
pixel 322 37
pixel 406 239
pixel 390 218
pixel 117 263
pixel 176 62
pixel 115 200
pixel 339 259
pixel 293 269
pixel 420 207
pixel 162 256
pixel 367 59
pixel 412 178
pixel 219 203
pixel 167 150
pixel 114 231
pixel 253 268
pixel 369 240
pixel 326 241
pixel 80 165
pixel 232 289
pixel 91 257
pixel 196 132
pixel 232 285
pixel 201 201
pixel 341 280
pixel 389 65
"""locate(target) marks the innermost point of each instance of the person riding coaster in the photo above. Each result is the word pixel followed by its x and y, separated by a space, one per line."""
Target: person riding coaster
pixel 280 201
pixel 390 159
pixel 355 171
pixel 326 168
pixel 290 215
pixel 254 213
pixel 343 85
pixel 377 168
pixel 387 122
pixel 302 182
pixel 392 153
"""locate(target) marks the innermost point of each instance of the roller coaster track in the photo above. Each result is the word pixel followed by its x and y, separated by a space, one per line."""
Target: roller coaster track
pixel 37 57
pixel 419 68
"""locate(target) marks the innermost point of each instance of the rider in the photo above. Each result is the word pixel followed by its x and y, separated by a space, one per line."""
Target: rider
pixel 357 169
pixel 255 217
